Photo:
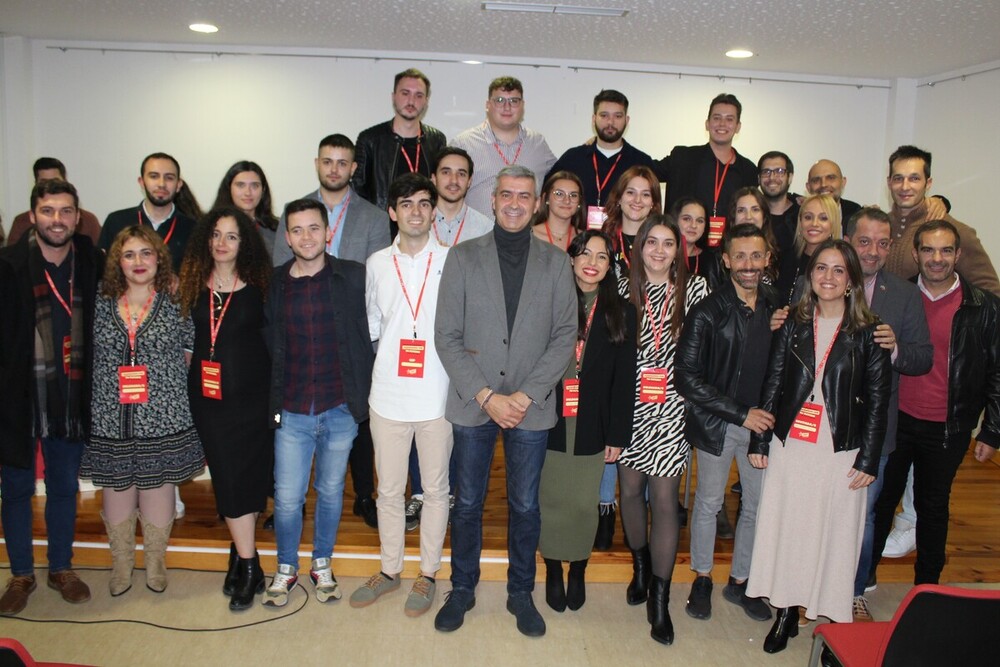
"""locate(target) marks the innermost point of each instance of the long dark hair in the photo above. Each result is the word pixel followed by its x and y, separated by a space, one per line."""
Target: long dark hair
pixel 637 273
pixel 579 221
pixel 613 207
pixel 264 213
pixel 675 213
pixel 856 311
pixel 253 265
pixel 607 289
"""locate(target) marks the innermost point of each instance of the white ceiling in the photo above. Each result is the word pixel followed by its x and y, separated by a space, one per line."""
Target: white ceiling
pixel 860 38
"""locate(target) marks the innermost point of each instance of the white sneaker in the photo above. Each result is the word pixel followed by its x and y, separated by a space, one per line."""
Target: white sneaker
pixel 326 585
pixel 900 542
pixel 284 581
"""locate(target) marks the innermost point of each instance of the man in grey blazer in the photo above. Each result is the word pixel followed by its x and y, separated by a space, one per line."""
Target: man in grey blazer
pixel 904 333
pixel 357 229
pixel 505 330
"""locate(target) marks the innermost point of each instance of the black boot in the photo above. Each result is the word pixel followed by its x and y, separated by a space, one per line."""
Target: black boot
pixel 250 583
pixel 605 527
pixel 785 626
pixel 576 589
pixel 661 627
pixel 723 529
pixel 642 570
pixel 555 590
pixel 231 574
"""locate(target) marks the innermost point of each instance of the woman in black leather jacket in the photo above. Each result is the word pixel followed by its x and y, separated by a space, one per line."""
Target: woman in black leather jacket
pixel 827 385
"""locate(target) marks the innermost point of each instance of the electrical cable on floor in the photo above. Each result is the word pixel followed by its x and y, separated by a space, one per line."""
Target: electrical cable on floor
pixel 293 612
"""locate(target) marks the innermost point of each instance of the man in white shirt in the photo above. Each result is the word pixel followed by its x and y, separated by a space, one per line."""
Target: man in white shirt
pixel 409 388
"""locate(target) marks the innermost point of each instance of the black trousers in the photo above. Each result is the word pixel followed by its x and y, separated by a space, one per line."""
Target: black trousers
pixel 935 460
pixel 362 462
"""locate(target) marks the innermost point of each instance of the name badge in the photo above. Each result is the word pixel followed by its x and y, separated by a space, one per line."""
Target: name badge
pixel 805 426
pixel 211 380
pixel 411 357
pixel 67 352
pixel 571 398
pixel 133 384
pixel 716 225
pixel 653 386
pixel 595 217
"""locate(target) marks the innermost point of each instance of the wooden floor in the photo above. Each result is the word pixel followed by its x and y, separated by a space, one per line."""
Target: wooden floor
pixel 200 540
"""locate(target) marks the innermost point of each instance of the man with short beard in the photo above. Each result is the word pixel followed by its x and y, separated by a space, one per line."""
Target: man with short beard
pixel 598 162
pixel 454 219
pixel 774 173
pixel 160 180
pixel 48 286
pixel 400 145
pixel 826 178
pixel 720 370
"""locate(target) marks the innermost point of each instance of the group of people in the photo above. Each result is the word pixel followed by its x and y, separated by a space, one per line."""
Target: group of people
pixel 428 298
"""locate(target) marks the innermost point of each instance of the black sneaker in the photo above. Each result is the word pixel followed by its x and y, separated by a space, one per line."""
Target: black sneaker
pixel 413 509
pixel 699 604
pixel 451 615
pixel 529 622
pixel 366 509
pixel 755 608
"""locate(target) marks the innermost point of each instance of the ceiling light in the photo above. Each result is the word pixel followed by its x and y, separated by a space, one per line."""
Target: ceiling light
pixel 739 53
pixel 542 8
pixel 206 28
pixel 472 62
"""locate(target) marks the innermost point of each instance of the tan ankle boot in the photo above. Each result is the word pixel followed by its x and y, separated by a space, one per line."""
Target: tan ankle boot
pixel 154 546
pixel 122 542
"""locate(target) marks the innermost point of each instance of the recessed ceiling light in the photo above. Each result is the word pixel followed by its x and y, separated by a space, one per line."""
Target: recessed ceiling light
pixel 206 28
pixel 472 62
pixel 739 53
pixel 547 8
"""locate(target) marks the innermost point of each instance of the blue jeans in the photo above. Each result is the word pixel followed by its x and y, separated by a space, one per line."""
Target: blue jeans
pixel 329 435
pixel 17 486
pixel 609 480
pixel 524 454
pixel 865 560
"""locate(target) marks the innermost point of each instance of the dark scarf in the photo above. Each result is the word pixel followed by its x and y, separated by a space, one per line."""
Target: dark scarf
pixel 512 251
pixel 56 415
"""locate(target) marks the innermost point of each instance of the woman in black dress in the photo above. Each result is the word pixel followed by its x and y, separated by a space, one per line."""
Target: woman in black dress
pixel 223 282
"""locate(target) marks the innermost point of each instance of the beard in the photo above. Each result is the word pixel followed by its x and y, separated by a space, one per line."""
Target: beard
pixel 159 201
pixel 610 134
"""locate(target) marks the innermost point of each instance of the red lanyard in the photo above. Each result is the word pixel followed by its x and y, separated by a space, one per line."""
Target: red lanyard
pixel 621 248
pixel 173 223
pixel 133 325
pixel 569 235
pixel 496 145
pixel 658 329
pixel 586 335
pixel 819 368
pixel 719 182
pixel 406 295
pixel 213 328
pixel 597 179
pixel 62 302
pixel 413 167
pixel 458 234
pixel 340 218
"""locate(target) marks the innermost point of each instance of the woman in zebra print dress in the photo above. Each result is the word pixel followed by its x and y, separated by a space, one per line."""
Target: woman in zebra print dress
pixel 661 292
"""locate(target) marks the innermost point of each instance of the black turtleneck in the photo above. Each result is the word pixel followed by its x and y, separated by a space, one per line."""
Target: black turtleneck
pixel 512 251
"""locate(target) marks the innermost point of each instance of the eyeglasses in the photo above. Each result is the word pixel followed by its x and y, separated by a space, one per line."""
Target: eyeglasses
pixel 563 196
pixel 780 171
pixel 500 100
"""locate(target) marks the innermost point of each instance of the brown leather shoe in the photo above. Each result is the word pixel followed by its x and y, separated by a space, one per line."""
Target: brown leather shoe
pixel 70 586
pixel 16 597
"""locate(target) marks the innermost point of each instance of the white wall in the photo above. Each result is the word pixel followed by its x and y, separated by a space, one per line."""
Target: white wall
pixel 957 122
pixel 102 111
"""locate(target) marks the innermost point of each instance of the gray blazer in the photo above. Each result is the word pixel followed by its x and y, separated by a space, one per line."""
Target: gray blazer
pixel 897 302
pixel 366 230
pixel 470 331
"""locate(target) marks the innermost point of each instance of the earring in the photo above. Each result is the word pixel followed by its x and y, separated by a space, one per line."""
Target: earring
pixel 848 291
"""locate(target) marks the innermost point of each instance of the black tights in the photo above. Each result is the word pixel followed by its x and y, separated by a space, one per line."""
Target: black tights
pixel 665 529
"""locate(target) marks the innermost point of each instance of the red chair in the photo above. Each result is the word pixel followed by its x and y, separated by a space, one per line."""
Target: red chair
pixel 13 654
pixel 934 625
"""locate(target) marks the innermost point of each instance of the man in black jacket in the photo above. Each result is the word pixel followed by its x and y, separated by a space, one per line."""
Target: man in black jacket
pixel 398 146
pixel 938 411
pixel 721 360
pixel 48 285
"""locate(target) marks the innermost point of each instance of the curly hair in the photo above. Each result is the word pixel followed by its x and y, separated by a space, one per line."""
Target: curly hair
pixel 253 266
pixel 114 283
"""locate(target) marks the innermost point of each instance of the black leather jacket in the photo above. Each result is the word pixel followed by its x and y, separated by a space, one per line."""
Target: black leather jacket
pixel 377 153
pixel 974 366
pixel 857 381
pixel 708 360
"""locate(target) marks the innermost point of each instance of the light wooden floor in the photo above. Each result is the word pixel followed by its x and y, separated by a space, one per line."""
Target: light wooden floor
pixel 200 539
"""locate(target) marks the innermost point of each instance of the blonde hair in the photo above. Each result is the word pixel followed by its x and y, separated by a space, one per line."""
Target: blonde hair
pixel 832 210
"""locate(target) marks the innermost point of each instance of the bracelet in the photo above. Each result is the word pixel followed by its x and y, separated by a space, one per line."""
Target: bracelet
pixel 482 406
